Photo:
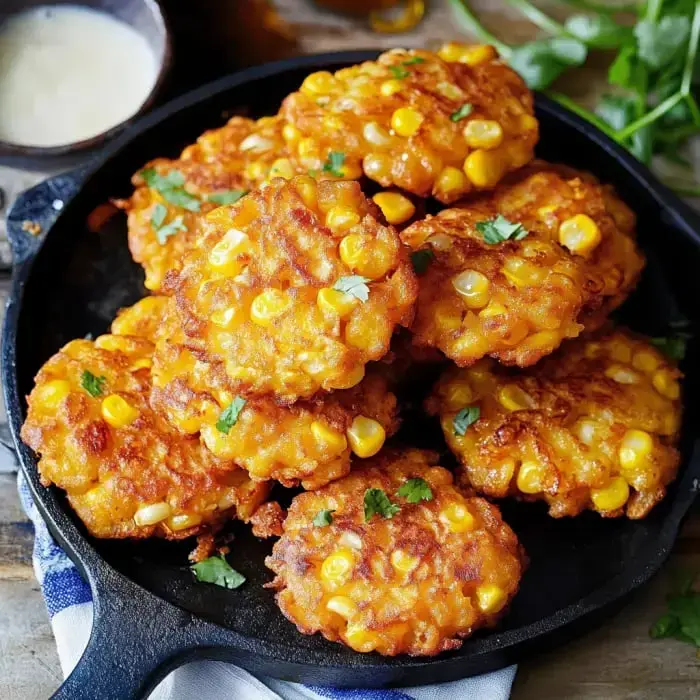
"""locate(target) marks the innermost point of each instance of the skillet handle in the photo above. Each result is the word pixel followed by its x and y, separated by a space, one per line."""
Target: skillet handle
pixel 135 642
pixel 39 205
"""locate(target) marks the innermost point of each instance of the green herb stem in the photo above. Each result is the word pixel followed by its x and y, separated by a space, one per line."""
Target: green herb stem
pixel 692 52
pixel 680 133
pixel 649 117
pixel 473 25
pixel 603 8
pixel 582 112
pixel 685 191
pixel 539 18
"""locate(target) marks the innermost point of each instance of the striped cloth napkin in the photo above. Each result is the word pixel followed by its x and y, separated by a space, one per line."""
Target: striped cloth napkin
pixel 69 604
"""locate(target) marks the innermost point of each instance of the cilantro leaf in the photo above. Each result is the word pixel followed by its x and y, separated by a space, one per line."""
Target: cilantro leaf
pixel 464 418
pixel 218 571
pixel 171 187
pixel 354 285
pixel 616 110
pixel 674 346
pixel 421 259
pixel 164 232
pixel 597 31
pixel 499 229
pixel 415 490
pixel 333 163
pixel 92 384
pixel 463 112
pixel 413 60
pixel 378 503
pixel 323 518
pixel 540 62
pixel 227 196
pixel 229 416
pixel 399 72
pixel 682 620
pixel 160 211
pixel 658 43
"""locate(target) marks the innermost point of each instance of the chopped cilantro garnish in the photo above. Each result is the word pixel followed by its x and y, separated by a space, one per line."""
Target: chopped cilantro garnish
pixel 465 418
pixel 92 384
pixel 499 229
pixel 160 211
pixel 164 232
pixel 334 163
pixel 171 187
pixel 416 490
pixel 673 346
pixel 399 72
pixel 229 416
pixel 377 502
pixel 421 259
pixel 354 285
pixel 464 111
pixel 323 517
pixel 227 196
pixel 411 61
pixel 218 571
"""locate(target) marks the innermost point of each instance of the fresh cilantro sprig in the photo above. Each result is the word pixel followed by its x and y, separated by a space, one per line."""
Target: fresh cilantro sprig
pixel 218 571
pixel 464 418
pixel 376 502
pixel 226 196
pixel 415 490
pixel 682 619
pixel 656 73
pixel 354 285
pixel 171 187
pixel 92 384
pixel 499 229
pixel 229 416
pixel 323 518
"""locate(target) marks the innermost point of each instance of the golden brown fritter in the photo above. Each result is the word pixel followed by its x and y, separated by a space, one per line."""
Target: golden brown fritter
pixel 594 426
pixel 259 299
pixel 309 442
pixel 570 263
pixel 126 472
pixel 417 583
pixel 430 124
pixel 236 157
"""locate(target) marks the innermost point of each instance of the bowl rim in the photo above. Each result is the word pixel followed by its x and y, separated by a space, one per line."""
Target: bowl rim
pixel 11 149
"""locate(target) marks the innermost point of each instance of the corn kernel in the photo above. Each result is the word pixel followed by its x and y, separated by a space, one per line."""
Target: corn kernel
pixel 360 638
pixel 395 207
pixel 342 605
pixel 621 352
pixel 513 398
pixel 457 518
pixel 473 287
pixel 350 170
pixel 635 447
pixel 366 436
pixel 493 309
pixel 406 121
pixel 375 134
pixel 622 374
pixel 341 218
pixel 348 379
pixel 51 394
pixel 645 361
pixel 256 143
pixel 474 55
pixel 530 477
pixel 337 567
pixel 612 496
pixel 580 234
pixel 484 168
pixel 330 439
pixel 402 561
pixel 458 395
pixel 451 181
pixel 141 363
pixel 521 272
pixel 352 249
pixel 184 521
pixel 224 318
pixel 290 133
pixel 336 303
pixel 490 599
pixel 282 167
pixel 586 429
pixel 378 167
pixel 516 333
pixel 332 122
pixel 111 342
pixel 390 87
pixel 117 412
pixel 528 122
pixel 449 90
pixel 666 384
pixel 319 83
pixel 152 514
pixel 268 306
pixel 225 255
pixel 543 339
pixel 483 133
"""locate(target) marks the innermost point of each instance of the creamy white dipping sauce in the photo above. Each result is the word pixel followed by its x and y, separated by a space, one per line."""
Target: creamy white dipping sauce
pixel 68 73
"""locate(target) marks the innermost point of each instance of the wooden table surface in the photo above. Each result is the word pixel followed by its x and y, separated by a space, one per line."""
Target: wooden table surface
pixel 616 662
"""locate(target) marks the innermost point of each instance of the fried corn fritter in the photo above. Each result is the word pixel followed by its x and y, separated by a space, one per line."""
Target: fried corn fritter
pixel 416 577
pixel 293 289
pixel 125 471
pixel 309 442
pixel 595 426
pixel 514 273
pixel 430 124
pixel 223 162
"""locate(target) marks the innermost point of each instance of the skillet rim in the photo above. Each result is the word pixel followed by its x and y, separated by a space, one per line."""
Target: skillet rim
pixel 495 647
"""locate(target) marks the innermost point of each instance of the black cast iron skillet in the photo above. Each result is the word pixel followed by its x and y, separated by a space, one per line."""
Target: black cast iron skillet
pixel 150 615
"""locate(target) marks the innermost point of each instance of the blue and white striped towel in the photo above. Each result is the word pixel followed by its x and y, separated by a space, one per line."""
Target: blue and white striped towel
pixel 69 603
